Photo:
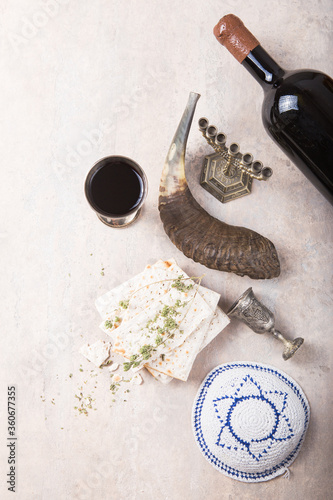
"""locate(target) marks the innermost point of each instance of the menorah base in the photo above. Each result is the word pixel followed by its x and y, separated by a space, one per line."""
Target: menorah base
pixel 225 182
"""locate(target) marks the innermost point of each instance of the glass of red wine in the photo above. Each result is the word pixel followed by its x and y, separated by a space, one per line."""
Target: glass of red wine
pixel 116 188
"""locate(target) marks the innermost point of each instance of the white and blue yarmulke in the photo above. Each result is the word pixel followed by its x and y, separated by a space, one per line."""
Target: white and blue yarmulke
pixel 249 420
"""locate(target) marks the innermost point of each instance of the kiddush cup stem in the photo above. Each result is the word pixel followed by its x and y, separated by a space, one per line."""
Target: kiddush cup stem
pixel 290 346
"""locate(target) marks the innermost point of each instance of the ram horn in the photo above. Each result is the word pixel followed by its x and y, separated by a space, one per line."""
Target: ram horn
pixel 196 233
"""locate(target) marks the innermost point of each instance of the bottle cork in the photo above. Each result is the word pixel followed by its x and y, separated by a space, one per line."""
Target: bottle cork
pixel 231 32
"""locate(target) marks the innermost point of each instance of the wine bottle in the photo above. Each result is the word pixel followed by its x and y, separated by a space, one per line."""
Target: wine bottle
pixel 298 105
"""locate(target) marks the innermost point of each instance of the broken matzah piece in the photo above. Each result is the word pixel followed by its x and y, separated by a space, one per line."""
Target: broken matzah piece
pixel 161 377
pixel 97 353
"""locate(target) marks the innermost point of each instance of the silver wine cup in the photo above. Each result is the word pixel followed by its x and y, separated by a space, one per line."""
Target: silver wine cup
pixel 261 320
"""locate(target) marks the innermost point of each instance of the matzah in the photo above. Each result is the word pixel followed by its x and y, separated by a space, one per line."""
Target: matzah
pixel 130 310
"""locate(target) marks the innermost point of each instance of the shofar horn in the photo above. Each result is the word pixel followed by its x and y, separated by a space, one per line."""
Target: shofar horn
pixel 197 234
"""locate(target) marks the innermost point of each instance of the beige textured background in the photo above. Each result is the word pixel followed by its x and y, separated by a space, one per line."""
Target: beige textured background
pixel 81 80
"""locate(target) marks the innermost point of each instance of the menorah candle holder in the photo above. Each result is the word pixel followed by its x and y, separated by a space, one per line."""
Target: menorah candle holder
pixel 228 174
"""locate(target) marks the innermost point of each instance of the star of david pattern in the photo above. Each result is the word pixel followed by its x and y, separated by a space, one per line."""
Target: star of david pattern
pixel 270 422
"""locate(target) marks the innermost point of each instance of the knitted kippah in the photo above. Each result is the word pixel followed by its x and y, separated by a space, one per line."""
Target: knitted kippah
pixel 249 420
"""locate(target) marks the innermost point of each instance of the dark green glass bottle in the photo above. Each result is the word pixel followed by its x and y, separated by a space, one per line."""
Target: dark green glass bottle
pixel 297 109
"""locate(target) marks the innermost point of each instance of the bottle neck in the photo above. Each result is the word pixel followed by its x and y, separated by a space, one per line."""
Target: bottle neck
pixel 262 67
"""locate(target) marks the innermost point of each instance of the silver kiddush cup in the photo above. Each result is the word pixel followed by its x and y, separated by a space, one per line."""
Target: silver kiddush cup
pixel 256 316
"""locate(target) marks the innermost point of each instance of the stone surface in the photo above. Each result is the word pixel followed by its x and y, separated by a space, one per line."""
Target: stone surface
pixel 82 80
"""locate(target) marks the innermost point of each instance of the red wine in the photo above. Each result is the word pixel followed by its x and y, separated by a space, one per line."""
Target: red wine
pixel 297 109
pixel 115 188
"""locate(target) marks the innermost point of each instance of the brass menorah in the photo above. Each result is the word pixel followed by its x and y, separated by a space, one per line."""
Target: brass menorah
pixel 227 174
